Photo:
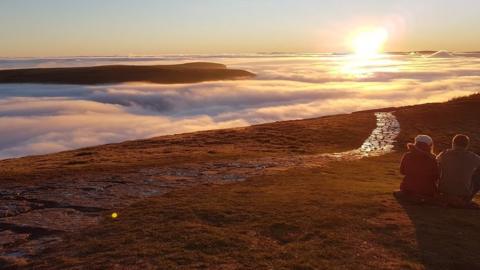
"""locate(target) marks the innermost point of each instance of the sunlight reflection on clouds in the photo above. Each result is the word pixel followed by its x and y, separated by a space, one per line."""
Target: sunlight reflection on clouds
pixel 37 119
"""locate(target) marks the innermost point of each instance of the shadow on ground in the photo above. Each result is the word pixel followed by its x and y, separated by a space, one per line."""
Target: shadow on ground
pixel 446 238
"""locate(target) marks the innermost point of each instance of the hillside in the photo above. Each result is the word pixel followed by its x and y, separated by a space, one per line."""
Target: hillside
pixel 259 197
pixel 165 74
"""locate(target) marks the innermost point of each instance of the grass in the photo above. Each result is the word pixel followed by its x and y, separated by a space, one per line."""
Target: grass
pixel 442 121
pixel 340 217
pixel 311 136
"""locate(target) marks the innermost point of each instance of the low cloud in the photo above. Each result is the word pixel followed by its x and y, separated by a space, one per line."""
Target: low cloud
pixel 37 119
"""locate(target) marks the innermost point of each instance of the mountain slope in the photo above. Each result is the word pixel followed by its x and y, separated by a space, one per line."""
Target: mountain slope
pixel 338 215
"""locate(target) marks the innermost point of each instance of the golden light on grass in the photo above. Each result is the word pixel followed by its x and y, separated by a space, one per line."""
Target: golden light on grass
pixel 114 215
pixel 369 43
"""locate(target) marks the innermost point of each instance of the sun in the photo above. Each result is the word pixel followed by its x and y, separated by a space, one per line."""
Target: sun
pixel 369 43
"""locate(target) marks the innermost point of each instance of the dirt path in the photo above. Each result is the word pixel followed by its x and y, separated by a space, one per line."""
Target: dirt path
pixel 33 217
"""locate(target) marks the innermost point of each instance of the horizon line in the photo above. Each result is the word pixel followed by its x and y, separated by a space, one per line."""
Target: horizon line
pixel 212 54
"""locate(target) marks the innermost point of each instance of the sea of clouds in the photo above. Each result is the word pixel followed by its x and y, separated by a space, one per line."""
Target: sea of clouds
pixel 38 119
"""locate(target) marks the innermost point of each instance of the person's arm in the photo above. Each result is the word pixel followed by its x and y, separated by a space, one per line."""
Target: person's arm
pixel 440 157
pixel 435 170
pixel 404 164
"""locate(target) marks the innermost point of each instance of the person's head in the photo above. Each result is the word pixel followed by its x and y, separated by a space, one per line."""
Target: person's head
pixel 461 141
pixel 424 142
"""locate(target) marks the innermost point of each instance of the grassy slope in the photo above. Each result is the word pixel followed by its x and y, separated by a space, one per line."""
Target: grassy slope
pixel 320 135
pixel 342 217
pixel 442 121
pixel 339 217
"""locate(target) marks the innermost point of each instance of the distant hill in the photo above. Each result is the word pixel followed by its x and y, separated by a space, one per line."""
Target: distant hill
pixel 442 54
pixel 164 74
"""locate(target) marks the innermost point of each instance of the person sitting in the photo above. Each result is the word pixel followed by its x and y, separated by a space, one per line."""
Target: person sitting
pixel 420 168
pixel 458 179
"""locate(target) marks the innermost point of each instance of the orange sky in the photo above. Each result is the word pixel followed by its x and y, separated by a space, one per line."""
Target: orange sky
pixel 147 27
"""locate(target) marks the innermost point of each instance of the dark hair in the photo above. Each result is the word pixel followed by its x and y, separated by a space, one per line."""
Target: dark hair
pixel 461 141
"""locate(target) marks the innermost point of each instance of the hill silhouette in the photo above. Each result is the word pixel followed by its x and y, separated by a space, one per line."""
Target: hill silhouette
pixel 165 74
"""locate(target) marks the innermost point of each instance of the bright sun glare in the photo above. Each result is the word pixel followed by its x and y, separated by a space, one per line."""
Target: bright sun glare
pixel 370 43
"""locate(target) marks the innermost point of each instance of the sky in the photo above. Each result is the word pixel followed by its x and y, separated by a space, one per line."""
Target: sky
pixel 33 28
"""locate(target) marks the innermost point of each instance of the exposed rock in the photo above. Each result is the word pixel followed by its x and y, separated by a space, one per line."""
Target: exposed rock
pixel 9 237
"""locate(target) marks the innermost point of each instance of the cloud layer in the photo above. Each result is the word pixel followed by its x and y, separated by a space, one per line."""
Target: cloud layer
pixel 37 119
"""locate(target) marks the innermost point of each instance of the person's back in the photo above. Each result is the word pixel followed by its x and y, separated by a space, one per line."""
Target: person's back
pixel 457 168
pixel 420 169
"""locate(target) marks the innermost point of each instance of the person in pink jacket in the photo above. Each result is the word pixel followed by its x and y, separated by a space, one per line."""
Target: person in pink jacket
pixel 420 168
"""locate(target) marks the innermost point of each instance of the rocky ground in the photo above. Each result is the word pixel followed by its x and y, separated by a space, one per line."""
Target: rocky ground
pixel 35 216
